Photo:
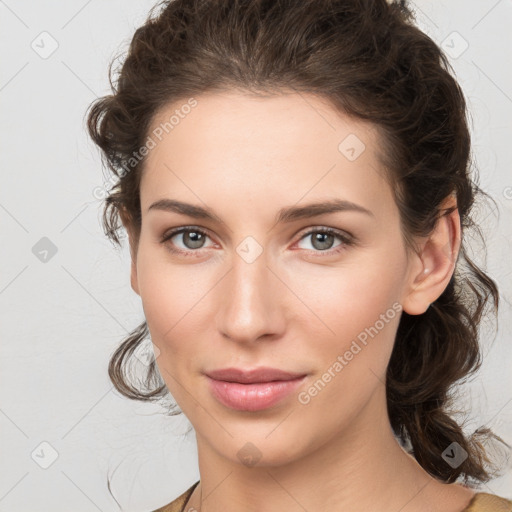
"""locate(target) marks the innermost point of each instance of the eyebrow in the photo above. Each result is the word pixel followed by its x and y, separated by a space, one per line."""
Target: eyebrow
pixel 287 214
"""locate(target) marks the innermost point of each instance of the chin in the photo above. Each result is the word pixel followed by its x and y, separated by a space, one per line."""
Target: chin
pixel 260 447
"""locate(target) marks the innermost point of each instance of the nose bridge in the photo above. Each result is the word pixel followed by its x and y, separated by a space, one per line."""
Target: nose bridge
pixel 249 306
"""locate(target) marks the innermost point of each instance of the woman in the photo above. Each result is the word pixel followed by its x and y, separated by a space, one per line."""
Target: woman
pixel 294 178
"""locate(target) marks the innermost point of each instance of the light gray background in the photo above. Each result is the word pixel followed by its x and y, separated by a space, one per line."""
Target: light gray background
pixel 61 319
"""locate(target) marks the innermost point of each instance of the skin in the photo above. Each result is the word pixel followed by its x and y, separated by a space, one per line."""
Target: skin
pixel 295 307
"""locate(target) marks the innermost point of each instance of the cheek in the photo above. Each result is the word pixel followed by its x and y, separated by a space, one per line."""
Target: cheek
pixel 362 313
pixel 174 298
pixel 357 312
pixel 167 290
pixel 346 299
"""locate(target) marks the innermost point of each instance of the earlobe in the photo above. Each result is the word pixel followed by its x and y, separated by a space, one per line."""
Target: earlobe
pixel 434 264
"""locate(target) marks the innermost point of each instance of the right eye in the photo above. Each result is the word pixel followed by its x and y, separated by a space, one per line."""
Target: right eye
pixel 192 239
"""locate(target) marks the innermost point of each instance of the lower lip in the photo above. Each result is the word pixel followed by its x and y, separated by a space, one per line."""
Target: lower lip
pixel 252 397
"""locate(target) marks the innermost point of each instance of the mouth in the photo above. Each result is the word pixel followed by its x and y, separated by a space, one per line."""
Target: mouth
pixel 252 390
pixel 256 375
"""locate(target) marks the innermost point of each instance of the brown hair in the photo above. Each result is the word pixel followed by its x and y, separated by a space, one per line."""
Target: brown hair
pixel 370 61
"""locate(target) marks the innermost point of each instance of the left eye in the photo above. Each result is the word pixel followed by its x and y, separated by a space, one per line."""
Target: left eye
pixel 323 239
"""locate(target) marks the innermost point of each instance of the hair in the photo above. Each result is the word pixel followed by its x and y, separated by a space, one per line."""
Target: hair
pixel 370 61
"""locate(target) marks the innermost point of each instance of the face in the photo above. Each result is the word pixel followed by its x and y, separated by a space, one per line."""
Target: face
pixel 248 287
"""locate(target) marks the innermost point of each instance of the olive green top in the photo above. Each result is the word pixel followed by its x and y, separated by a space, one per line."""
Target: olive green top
pixel 481 502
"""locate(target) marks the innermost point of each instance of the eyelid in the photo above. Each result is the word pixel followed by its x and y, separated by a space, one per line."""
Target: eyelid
pixel 327 229
pixel 180 229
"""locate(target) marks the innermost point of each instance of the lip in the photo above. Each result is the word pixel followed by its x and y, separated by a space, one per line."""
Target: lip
pixel 252 390
pixel 261 374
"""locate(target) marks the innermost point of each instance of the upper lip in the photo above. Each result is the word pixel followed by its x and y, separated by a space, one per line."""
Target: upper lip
pixel 262 374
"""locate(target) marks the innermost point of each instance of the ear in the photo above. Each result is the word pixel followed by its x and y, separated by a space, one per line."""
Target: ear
pixel 133 242
pixel 432 267
pixel 133 277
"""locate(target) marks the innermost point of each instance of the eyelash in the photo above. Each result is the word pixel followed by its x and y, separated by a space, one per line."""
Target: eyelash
pixel 347 240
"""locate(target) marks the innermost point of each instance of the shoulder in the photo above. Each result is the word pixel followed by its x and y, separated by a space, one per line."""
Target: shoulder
pixel 178 504
pixel 481 502
pixel 484 502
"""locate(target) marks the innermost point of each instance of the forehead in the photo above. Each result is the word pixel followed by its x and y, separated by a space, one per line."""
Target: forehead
pixel 274 148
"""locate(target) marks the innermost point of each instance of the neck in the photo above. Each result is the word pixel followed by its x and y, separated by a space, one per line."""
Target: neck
pixel 357 468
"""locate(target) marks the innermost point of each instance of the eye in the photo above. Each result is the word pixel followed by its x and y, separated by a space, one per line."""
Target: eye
pixel 193 238
pixel 323 239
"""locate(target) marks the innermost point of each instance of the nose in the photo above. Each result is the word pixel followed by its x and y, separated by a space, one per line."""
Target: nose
pixel 251 301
